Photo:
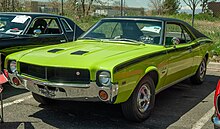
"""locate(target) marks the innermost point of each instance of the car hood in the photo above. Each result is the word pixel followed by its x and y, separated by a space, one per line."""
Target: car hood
pixel 82 54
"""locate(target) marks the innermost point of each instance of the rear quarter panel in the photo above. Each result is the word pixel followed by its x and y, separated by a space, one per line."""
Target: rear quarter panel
pixel 201 47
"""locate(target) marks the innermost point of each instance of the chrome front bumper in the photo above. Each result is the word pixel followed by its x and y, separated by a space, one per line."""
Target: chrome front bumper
pixel 216 121
pixel 64 91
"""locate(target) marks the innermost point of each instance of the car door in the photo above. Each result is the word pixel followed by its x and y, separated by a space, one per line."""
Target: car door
pixel 51 31
pixel 178 42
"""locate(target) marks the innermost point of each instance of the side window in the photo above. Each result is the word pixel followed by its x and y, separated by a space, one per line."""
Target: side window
pixel 53 27
pixel 177 33
pixel 46 25
pixel 66 25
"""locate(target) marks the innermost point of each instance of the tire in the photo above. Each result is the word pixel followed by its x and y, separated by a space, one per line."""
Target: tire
pixel 135 110
pixel 41 99
pixel 200 75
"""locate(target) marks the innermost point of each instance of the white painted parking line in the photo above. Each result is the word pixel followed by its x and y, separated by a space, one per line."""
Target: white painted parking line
pixel 17 101
pixel 201 122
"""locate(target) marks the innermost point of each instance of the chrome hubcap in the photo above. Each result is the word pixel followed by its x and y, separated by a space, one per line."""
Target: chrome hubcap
pixel 143 98
pixel 202 69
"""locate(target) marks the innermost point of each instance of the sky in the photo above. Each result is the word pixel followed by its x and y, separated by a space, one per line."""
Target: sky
pixel 145 4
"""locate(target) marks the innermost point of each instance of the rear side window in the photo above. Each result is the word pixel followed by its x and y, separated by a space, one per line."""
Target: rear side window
pixel 178 32
pixel 66 25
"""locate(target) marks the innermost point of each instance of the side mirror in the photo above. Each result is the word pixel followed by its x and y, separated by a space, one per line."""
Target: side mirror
pixel 37 32
pixel 175 41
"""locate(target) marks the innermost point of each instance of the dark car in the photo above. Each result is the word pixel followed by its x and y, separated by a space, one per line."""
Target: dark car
pixel 216 116
pixel 20 31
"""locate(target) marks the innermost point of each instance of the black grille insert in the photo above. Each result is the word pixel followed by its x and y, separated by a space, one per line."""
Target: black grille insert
pixel 54 74
pixel 33 70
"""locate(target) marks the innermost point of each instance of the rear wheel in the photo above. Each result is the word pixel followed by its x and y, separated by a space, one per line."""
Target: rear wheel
pixel 140 104
pixel 41 99
pixel 199 77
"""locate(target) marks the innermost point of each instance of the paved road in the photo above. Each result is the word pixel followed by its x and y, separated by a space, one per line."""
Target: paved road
pixel 183 106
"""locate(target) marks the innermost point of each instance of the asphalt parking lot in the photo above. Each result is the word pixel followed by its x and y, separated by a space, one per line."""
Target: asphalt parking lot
pixel 183 106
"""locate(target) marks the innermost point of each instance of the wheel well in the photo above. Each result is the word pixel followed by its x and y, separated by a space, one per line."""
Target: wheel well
pixel 154 75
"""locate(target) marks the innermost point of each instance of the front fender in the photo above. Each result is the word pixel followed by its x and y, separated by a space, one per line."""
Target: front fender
pixel 126 91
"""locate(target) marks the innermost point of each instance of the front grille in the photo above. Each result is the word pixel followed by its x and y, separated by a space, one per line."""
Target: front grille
pixel 54 74
pixel 33 70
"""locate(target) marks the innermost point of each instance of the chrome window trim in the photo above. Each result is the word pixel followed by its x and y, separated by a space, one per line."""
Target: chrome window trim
pixel 59 24
pixel 133 19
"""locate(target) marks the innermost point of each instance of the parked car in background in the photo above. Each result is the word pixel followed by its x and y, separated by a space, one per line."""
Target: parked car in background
pixel 20 31
pixel 216 116
pixel 125 60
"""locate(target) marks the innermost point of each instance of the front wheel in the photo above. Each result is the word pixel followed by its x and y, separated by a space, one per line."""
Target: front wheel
pixel 140 104
pixel 199 77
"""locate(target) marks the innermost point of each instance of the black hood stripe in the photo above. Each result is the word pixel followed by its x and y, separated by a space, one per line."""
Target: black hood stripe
pixel 142 58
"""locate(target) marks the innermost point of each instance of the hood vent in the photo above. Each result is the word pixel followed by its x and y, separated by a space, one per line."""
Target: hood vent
pixel 55 50
pixel 79 52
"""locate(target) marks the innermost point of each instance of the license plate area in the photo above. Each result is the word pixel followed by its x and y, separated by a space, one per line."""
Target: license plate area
pixel 47 90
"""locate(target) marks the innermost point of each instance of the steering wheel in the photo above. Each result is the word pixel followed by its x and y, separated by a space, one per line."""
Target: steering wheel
pixel 146 39
pixel 117 37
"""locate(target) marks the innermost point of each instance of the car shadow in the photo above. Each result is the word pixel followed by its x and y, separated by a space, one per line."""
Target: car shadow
pixel 9 91
pixel 16 125
pixel 180 98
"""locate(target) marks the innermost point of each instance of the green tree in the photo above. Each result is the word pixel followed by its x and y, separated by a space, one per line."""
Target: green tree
pixel 171 6
pixel 156 6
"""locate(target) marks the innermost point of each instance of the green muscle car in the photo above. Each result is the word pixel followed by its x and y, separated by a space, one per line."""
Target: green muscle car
pixel 125 60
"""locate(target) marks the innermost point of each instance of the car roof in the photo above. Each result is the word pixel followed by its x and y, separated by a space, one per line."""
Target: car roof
pixel 196 33
pixel 148 17
pixel 32 14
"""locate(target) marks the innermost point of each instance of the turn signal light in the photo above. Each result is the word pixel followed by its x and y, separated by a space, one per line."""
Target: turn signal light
pixel 103 95
pixel 16 81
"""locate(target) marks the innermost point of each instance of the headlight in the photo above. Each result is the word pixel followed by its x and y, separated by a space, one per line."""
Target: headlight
pixel 12 66
pixel 104 78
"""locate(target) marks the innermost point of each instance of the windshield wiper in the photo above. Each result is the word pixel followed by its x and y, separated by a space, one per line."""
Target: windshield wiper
pixel 124 39
pixel 90 38
pixel 127 40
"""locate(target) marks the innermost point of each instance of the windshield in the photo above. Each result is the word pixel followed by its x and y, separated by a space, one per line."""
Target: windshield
pixel 13 24
pixel 148 32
